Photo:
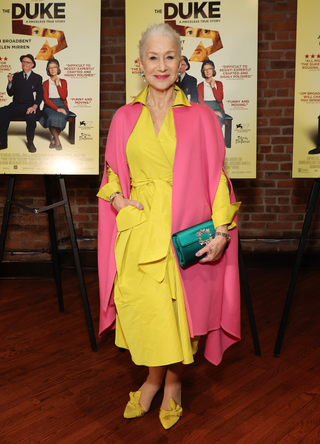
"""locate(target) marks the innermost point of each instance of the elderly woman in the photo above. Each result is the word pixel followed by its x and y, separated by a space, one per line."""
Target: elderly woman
pixel 55 110
pixel 210 91
pixel 164 173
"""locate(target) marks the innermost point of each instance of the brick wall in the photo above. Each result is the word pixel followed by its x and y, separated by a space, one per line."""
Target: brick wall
pixel 273 205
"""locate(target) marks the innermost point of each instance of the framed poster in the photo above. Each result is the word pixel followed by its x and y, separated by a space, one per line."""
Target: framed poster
pixel 224 32
pixel 32 34
pixel 306 147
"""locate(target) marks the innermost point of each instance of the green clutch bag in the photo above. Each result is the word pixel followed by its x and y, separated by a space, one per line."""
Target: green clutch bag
pixel 188 242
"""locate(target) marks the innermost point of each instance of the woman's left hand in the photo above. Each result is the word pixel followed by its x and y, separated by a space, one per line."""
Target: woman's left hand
pixel 215 248
pixel 57 81
pixel 61 110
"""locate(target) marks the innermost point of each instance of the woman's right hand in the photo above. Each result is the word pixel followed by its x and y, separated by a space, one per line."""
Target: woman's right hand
pixel 119 202
pixel 61 110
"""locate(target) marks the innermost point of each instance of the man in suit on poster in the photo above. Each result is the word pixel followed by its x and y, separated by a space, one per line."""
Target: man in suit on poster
pixel 187 83
pixel 26 89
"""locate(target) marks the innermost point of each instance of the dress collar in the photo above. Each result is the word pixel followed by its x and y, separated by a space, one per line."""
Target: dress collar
pixel 180 100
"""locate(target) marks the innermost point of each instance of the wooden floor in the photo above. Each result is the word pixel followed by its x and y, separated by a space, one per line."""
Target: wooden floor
pixel 54 389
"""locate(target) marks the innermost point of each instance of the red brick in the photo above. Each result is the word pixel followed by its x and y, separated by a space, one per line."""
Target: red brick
pixel 273 189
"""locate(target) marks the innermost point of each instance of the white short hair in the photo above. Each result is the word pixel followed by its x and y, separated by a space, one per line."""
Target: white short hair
pixel 159 29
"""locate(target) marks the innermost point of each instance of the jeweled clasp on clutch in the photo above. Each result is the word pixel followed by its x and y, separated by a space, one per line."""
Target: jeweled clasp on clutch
pixel 204 231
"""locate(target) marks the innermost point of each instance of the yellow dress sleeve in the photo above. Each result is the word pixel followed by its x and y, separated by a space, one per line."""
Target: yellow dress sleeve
pixel 111 187
pixel 223 212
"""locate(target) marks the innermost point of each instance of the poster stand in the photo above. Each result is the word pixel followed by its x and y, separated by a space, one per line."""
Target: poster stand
pixel 52 233
pixel 303 239
pixel 243 275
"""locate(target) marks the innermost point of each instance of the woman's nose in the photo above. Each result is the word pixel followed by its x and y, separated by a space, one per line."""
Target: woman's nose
pixel 162 64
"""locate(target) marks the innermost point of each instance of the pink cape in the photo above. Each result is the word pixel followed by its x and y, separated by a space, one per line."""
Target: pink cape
pixel 212 292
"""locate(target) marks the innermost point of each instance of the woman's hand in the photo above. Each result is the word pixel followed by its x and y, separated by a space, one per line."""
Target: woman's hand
pixel 215 248
pixel 212 83
pixel 61 110
pixel 119 202
pixel 57 81
pixel 218 113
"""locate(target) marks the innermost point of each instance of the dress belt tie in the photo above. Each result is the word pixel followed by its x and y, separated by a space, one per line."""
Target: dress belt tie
pixel 156 239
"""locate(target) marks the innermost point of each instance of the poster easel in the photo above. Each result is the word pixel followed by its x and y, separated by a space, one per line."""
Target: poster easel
pixel 55 259
pixel 304 235
pixel 246 289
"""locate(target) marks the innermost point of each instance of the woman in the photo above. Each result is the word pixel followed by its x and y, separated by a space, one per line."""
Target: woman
pixel 159 308
pixel 210 91
pixel 55 110
pixel 187 83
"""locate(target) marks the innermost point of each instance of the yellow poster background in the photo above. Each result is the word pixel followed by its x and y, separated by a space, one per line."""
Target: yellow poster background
pixel 80 67
pixel 306 162
pixel 235 62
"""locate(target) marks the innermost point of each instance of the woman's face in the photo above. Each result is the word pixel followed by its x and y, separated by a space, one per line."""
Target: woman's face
pixel 53 69
pixel 208 70
pixel 160 62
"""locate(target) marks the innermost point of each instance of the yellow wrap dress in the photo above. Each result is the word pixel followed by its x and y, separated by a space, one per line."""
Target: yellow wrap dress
pixel 151 317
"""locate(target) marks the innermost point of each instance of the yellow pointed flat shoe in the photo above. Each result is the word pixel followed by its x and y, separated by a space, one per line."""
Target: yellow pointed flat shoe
pixel 169 418
pixel 133 408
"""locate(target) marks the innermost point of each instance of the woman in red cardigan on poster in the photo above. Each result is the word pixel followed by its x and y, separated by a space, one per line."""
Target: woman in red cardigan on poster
pixel 55 110
pixel 210 92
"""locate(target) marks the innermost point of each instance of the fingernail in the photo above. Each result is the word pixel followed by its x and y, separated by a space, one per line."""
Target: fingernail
pixel 198 254
pixel 140 207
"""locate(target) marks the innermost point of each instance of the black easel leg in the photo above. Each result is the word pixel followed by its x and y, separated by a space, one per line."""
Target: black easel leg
pixel 53 241
pixel 78 264
pixel 6 214
pixel 247 295
pixel 305 230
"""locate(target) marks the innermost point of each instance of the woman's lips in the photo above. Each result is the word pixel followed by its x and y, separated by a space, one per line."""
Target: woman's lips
pixel 163 77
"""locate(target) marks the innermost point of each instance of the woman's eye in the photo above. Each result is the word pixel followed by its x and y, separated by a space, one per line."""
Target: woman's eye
pixel 206 31
pixel 170 57
pixel 153 58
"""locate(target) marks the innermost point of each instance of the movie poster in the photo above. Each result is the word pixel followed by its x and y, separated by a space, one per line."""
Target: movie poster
pixel 306 142
pixel 68 32
pixel 224 32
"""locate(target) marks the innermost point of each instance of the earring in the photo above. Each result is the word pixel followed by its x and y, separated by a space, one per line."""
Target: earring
pixel 179 73
pixel 142 75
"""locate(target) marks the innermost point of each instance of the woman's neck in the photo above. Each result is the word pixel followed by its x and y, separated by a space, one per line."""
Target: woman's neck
pixel 160 99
